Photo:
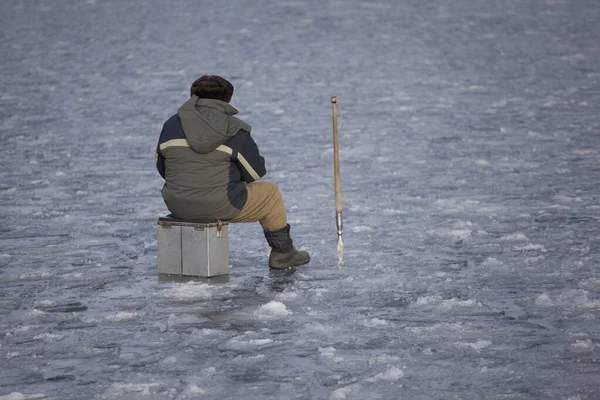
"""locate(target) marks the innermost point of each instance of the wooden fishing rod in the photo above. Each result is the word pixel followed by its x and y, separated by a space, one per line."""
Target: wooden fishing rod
pixel 336 172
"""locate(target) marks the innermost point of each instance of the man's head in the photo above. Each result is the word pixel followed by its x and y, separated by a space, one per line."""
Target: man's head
pixel 212 87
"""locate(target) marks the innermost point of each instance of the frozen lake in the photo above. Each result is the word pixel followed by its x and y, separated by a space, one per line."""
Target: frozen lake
pixel 470 160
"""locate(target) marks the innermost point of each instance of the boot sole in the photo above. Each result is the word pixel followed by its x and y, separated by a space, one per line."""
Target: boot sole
pixel 289 266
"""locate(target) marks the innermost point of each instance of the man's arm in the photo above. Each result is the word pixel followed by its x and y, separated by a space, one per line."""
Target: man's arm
pixel 160 162
pixel 244 152
pixel 171 130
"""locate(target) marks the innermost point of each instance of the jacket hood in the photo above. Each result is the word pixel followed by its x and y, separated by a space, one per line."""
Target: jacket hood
pixel 209 123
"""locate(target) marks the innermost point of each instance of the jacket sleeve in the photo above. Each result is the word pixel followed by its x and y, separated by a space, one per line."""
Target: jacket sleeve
pixel 245 153
pixel 160 161
pixel 171 130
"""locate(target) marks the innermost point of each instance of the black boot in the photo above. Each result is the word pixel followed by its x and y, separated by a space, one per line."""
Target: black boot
pixel 283 253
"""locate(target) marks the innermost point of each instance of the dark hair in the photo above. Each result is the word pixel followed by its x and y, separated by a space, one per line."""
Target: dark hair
pixel 212 87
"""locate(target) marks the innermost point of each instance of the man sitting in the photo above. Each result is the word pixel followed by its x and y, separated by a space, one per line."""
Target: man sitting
pixel 210 164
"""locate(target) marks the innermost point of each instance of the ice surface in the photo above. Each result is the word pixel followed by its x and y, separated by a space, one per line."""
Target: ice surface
pixel 391 375
pixel 470 166
pixel 121 316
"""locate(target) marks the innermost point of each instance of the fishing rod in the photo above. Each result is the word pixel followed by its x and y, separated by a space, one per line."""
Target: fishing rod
pixel 336 172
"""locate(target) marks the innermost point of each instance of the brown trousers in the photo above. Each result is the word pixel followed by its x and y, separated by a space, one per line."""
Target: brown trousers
pixel 265 205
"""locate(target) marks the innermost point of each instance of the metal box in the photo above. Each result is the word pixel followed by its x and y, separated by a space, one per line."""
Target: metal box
pixel 192 248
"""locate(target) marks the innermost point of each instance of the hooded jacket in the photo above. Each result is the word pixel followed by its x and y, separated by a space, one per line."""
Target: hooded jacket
pixel 206 156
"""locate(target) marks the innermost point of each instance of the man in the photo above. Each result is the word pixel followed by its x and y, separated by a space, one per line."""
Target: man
pixel 210 164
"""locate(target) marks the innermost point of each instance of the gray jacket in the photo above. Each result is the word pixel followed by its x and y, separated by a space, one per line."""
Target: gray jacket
pixel 206 156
